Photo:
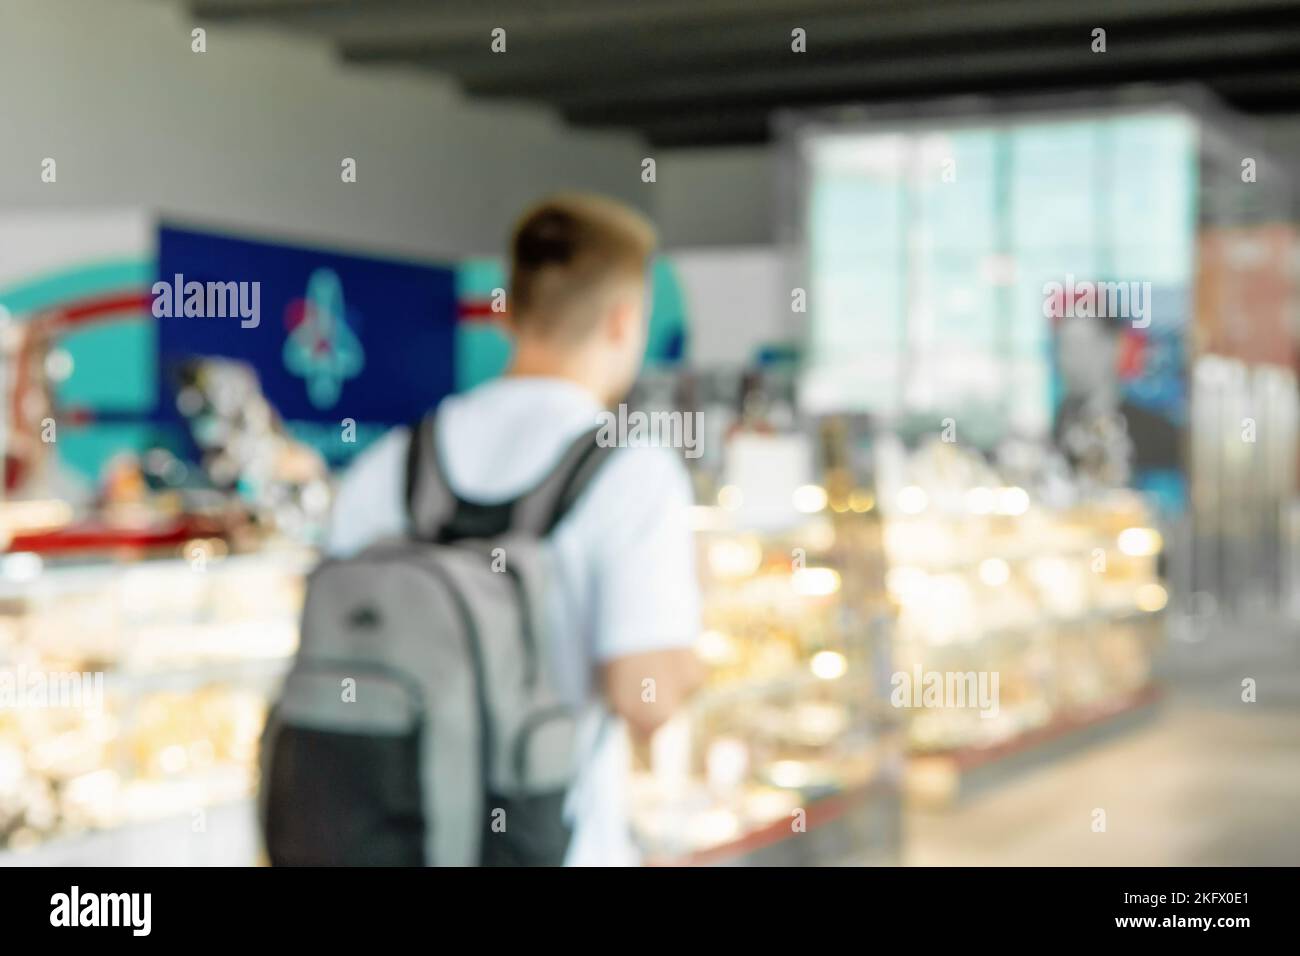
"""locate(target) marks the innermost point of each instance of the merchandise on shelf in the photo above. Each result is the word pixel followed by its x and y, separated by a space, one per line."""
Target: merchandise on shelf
pixel 791 720
pixel 137 692
pixel 1059 604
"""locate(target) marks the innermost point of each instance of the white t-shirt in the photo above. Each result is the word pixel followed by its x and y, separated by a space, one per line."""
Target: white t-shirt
pixel 624 559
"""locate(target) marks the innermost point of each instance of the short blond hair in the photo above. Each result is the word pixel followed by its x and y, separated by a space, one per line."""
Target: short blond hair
pixel 566 250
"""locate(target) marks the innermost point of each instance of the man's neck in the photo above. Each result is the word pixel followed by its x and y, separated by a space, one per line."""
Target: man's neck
pixel 533 361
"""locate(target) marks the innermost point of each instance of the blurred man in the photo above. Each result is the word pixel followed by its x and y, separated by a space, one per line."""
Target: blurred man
pixel 625 606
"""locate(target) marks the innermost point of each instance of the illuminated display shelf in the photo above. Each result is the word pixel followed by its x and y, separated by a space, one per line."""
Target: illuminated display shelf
pixel 1065 611
pixel 1069 623
pixel 177 665
pixel 790 753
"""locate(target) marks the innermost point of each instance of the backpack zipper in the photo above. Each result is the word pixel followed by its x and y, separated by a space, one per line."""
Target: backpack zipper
pixel 527 635
pixel 487 738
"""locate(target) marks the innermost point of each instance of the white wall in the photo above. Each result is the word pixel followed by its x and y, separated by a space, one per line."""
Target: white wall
pixel 738 299
pixel 716 197
pixel 252 132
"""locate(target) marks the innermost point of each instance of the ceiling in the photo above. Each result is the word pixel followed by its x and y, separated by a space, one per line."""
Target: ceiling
pixel 711 72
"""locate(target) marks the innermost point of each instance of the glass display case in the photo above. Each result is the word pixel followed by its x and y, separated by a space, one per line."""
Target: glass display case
pixel 136 692
pixel 791 752
pixel 1050 603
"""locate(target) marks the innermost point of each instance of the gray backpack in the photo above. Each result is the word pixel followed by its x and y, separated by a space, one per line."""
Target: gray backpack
pixel 418 724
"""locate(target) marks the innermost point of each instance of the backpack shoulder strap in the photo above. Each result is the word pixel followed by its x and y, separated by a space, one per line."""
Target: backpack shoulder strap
pixel 437 514
pixel 430 502
pixel 540 510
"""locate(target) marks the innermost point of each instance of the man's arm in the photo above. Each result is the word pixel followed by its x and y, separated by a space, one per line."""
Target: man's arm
pixel 647 689
pixel 647 595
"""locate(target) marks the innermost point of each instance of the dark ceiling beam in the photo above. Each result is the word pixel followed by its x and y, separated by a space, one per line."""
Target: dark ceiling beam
pixel 1256 86
pixel 1265 91
pixel 574 80
pixel 743 127
pixel 231 9
pixel 455 23
pixel 1026 69
pixel 401 28
pixel 699 72
pixel 883 26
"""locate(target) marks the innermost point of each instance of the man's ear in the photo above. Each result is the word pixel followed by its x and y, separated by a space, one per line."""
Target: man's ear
pixel 621 318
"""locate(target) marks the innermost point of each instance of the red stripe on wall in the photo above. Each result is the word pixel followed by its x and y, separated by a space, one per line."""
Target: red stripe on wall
pixel 478 311
pixel 87 310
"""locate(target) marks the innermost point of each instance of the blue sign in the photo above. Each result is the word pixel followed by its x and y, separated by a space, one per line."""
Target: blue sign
pixel 331 336
pixel 321 346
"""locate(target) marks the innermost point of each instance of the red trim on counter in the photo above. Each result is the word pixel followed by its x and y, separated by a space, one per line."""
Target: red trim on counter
pixel 818 813
pixel 94 537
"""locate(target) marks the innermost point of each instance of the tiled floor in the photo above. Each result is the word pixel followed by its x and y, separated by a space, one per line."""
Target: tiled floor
pixel 1208 781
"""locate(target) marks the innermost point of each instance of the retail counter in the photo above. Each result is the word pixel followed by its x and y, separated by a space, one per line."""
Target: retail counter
pixel 795 751
pixel 163 670
pixel 790 754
